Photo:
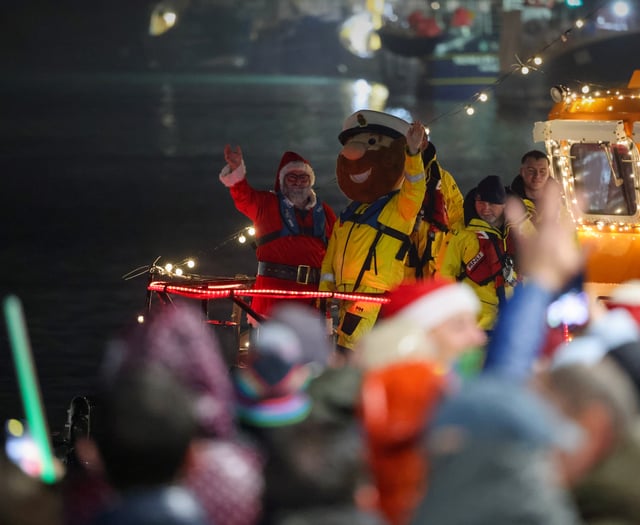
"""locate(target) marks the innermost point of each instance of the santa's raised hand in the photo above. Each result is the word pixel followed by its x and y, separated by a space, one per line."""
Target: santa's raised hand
pixel 233 158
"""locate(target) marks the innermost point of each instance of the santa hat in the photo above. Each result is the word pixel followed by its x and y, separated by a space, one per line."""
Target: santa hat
pixel 392 341
pixel 369 121
pixel 290 162
pixel 430 302
pixel 626 295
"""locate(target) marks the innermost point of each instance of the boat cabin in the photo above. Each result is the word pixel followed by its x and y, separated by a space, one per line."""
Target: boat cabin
pixel 592 138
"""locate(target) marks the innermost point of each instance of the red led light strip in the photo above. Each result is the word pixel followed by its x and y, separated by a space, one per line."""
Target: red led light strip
pixel 221 291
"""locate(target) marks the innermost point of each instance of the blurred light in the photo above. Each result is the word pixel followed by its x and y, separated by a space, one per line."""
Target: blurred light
pixel 191 263
pixel 524 70
pixel 168 267
pixel 179 272
pixel 579 23
pixel 242 239
pixel 483 97
pixel 15 427
pixel 469 110
pixel 621 8
pixel 358 35
pixel 140 319
pixel 163 18
pixel 251 231
pixel 537 61
pixel 170 18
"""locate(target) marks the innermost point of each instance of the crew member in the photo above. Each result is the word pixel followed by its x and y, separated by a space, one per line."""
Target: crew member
pixel 483 254
pixel 441 209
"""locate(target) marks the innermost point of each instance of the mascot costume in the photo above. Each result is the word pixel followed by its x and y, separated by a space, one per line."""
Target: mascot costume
pixel 381 170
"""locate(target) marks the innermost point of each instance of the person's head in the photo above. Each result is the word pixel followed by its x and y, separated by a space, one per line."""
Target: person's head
pixel 490 200
pixel 312 464
pixel 179 340
pixel 601 400
pixel 490 447
pixel 446 310
pixel 534 170
pixel 145 426
pixel 371 162
pixel 296 179
pixel 271 388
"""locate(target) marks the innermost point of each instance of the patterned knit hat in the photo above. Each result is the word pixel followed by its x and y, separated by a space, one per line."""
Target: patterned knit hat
pixel 270 390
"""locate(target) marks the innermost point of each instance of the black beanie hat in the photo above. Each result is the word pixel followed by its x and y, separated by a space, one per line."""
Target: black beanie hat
pixel 490 189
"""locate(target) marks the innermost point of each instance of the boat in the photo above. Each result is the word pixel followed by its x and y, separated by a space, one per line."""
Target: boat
pixel 592 137
pixel 488 48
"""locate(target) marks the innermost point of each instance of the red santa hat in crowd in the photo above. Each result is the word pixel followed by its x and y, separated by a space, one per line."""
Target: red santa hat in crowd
pixel 430 302
pixel 626 295
pixel 291 162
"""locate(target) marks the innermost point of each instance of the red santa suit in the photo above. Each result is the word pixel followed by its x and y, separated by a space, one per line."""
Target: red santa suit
pixel 291 242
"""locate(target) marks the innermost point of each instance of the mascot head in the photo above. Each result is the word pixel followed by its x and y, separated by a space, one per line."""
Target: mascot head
pixel 371 162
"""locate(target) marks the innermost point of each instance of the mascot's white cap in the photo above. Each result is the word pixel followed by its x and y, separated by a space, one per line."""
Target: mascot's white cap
pixel 369 121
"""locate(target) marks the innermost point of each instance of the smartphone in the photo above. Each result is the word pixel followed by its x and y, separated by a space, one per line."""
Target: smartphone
pixel 21 449
pixel 571 309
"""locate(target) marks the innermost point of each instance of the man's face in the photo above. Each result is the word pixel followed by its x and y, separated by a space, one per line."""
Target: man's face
pixel 297 187
pixel 456 335
pixel 491 213
pixel 535 173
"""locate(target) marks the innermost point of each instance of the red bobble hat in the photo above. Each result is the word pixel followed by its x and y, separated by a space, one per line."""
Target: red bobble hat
pixel 430 302
pixel 291 161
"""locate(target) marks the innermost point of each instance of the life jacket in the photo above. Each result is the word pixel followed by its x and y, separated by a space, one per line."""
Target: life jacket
pixel 492 263
pixel 290 225
pixel 434 208
pixel 433 211
pixel 369 216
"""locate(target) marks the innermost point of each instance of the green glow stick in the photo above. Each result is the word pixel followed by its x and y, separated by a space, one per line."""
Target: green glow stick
pixel 28 383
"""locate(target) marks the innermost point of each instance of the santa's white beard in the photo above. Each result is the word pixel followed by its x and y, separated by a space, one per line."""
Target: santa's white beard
pixel 299 197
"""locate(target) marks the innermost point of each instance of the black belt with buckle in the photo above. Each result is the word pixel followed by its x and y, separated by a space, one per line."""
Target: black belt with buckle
pixel 301 274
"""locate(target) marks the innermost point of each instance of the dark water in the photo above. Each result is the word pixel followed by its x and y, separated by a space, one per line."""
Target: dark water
pixel 102 174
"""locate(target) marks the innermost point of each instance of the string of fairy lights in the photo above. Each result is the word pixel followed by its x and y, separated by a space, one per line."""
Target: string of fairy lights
pixel 521 67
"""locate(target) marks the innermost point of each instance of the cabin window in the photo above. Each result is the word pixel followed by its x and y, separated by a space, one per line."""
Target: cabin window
pixel 603 176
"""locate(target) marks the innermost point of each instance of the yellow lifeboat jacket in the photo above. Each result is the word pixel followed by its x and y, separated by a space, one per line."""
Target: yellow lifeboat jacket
pixel 371 257
pixel 442 210
pixel 483 257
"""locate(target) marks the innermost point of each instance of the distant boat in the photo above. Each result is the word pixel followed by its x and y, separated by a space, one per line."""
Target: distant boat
pixel 465 59
pixel 455 62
